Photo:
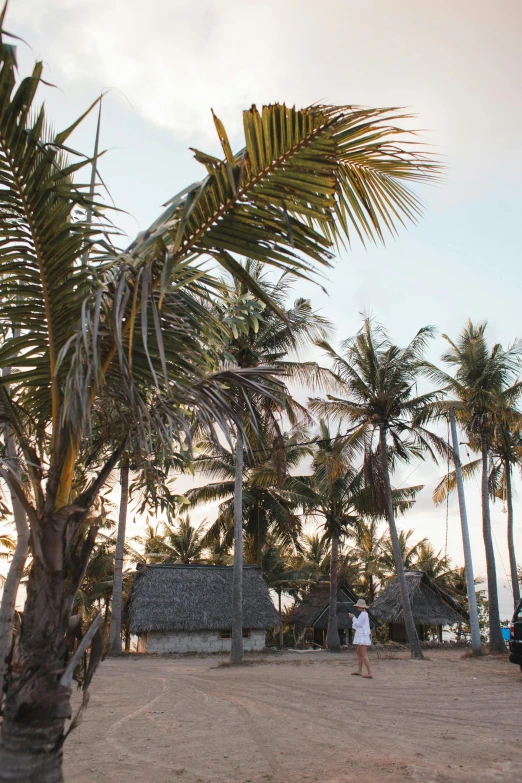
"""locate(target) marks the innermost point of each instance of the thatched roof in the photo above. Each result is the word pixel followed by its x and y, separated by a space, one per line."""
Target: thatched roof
pixel 312 612
pixel 430 604
pixel 196 598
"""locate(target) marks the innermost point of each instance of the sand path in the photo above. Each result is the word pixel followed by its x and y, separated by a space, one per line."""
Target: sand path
pixel 300 717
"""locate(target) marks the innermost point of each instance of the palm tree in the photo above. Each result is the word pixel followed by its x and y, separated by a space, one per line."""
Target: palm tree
pixel 379 380
pixel 505 453
pixel 336 491
pixel 117 592
pixel 268 341
pixel 7 544
pixel 153 488
pixel 314 553
pixel 483 399
pixel 368 542
pixel 269 500
pixel 257 496
pixel 172 543
pixel 332 492
pixel 410 553
pixel 133 327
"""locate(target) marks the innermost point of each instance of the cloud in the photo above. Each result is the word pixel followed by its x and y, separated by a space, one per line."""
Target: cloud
pixel 175 59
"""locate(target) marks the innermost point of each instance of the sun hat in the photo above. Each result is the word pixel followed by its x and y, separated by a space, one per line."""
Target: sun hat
pixel 361 604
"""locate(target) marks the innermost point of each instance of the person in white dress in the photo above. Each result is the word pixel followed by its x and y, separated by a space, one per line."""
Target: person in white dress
pixel 362 638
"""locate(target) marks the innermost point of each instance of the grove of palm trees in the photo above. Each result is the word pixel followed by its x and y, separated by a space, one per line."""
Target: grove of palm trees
pixel 176 400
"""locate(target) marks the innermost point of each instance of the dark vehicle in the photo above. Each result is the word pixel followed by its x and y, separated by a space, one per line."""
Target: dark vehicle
pixel 515 636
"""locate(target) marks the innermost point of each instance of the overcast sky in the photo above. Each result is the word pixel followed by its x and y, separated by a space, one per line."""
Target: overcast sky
pixel 457 65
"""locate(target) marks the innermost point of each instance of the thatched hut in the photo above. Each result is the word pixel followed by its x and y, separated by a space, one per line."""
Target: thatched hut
pixel 312 612
pixel 188 608
pixel 431 606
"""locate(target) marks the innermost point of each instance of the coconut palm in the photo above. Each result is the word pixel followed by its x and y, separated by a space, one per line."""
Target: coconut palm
pixel 152 485
pixel 380 399
pixel 483 395
pixel 117 589
pixel 179 542
pixel 336 491
pixel 132 327
pixel 505 454
pixel 368 541
pixel 270 500
pixel 410 553
pixel 267 341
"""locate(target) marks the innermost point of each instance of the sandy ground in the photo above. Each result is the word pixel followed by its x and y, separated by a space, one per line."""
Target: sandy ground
pixel 300 717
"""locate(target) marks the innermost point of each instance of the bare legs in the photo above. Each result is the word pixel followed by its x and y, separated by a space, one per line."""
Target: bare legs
pixel 362 658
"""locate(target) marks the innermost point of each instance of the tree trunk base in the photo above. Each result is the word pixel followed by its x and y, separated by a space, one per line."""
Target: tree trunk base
pixel 30 756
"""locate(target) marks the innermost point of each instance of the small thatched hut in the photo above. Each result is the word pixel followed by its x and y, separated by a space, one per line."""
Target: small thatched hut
pixel 188 608
pixel 431 606
pixel 312 612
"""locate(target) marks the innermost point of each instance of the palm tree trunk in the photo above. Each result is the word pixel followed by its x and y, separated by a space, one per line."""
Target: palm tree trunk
pixel 510 536
pixel 16 569
pixel 332 636
pixel 236 650
pixel 281 640
pixel 496 642
pixel 466 544
pixel 37 704
pixel 413 638
pixel 117 588
pixel 259 543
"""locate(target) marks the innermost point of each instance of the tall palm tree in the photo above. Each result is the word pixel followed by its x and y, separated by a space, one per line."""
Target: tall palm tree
pixel 117 592
pixel 332 492
pixel 337 492
pixel 505 454
pixel 484 393
pixel 379 380
pixel 136 329
pixel 267 341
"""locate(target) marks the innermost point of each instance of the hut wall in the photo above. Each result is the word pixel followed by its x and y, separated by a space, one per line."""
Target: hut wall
pixel 198 641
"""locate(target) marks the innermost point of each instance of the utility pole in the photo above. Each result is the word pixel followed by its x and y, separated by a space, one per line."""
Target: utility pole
pixel 468 562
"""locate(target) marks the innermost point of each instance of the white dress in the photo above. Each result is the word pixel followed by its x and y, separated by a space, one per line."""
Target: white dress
pixel 363 634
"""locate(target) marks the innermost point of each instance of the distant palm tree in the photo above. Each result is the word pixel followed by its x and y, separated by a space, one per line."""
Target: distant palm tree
pixel 368 540
pixel 483 395
pixel 436 565
pixel 332 493
pixel 172 543
pixel 380 399
pixel 336 492
pixel 314 553
pixel 7 543
pixel 505 454
pixel 410 553
pixel 269 497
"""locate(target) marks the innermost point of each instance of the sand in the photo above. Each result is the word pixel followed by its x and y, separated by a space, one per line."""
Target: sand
pixel 300 717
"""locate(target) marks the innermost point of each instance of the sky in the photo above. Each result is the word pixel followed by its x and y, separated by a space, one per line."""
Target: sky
pixel 457 66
